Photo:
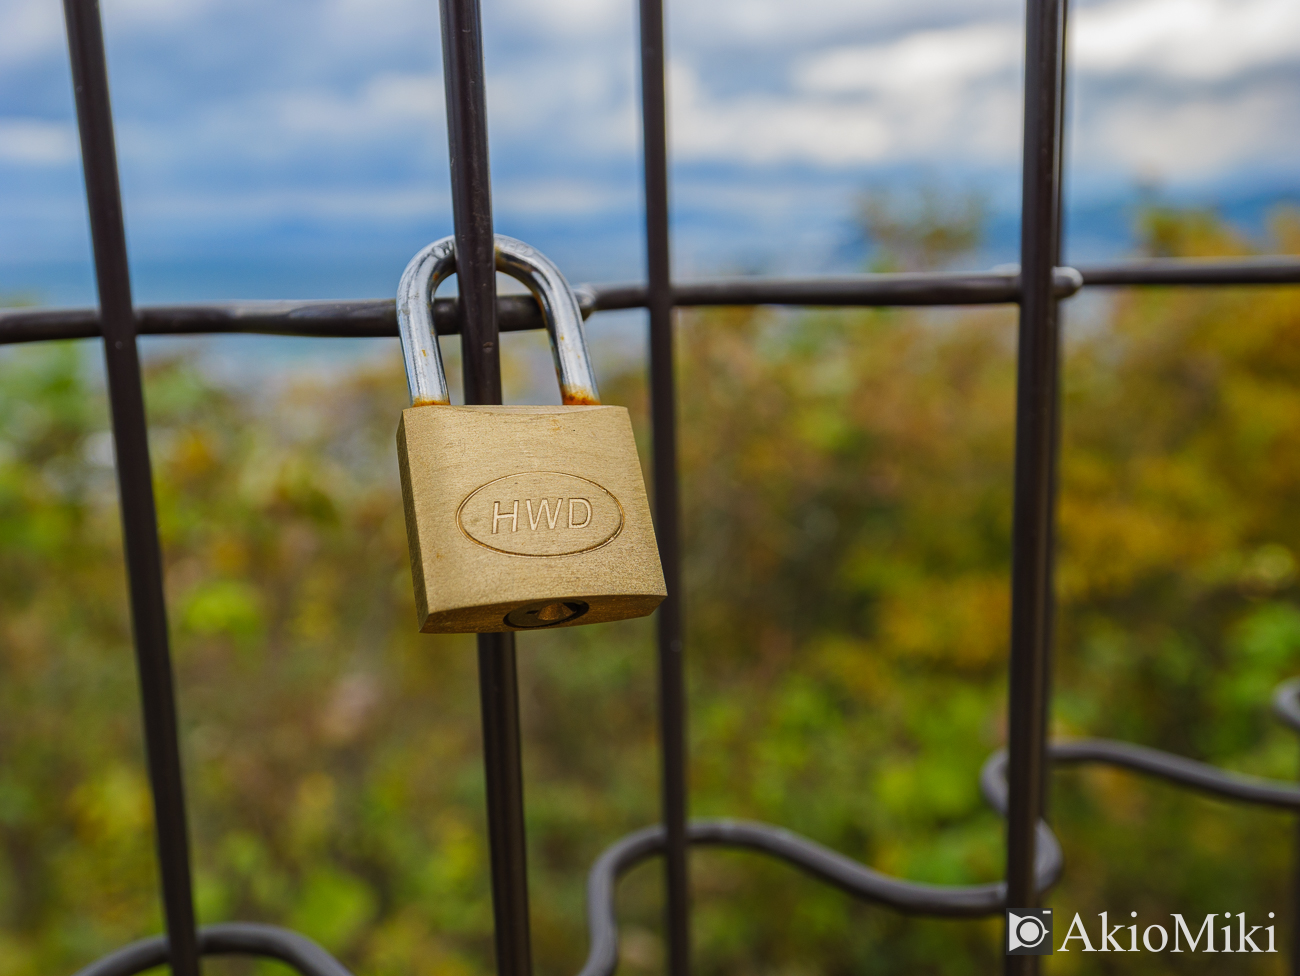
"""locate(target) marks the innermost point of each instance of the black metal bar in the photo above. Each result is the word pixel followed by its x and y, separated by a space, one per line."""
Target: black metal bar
pixel 663 411
pixel 816 860
pixel 1286 706
pixel 1057 236
pixel 375 318
pixel 822 863
pixel 865 883
pixel 471 197
pixel 1177 769
pixel 471 192
pixel 366 319
pixel 229 939
pixel 1036 396
pixel 499 694
pixel 946 288
pixel 134 477
pixel 1205 272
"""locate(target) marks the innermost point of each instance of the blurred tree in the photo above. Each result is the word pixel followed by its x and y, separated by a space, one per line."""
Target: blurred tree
pixel 923 228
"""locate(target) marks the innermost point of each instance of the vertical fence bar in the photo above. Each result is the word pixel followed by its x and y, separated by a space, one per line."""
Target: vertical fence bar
pixel 663 410
pixel 134 477
pixel 471 193
pixel 1058 233
pixel 1294 947
pixel 499 695
pixel 1036 414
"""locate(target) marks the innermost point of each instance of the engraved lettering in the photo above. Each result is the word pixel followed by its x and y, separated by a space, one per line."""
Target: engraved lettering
pixel 585 522
pixel 512 516
pixel 581 515
pixel 543 506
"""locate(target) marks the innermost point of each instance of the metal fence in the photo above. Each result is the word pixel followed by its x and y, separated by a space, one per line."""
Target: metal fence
pixel 1013 781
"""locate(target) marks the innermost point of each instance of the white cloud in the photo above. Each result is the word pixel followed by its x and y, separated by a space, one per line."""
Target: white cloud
pixel 786 24
pixel 1210 40
pixel 1186 90
pixel 370 32
pixel 568 19
pixel 31 29
pixel 956 93
pixel 36 142
pixel 1203 40
pixel 764 129
pixel 563 197
pixel 335 107
pixel 154 13
pixel 1195 139
pixel 586 102
pixel 394 113
pixel 384 104
pixel 253 206
pixel 936 61
pixel 920 94
pixel 927 93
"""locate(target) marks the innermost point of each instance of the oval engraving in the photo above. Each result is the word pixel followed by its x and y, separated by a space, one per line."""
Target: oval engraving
pixel 540 513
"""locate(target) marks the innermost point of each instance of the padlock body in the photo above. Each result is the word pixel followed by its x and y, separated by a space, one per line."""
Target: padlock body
pixel 522 518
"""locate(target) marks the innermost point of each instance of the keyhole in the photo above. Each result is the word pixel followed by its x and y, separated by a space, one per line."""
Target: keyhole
pixel 545 614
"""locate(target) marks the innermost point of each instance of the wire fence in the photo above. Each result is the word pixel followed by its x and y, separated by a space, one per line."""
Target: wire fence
pixel 1013 781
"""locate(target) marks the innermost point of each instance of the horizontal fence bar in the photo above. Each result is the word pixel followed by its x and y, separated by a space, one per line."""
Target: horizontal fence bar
pixel 940 288
pixel 1199 776
pixel 1278 270
pixel 363 319
pixel 250 939
pixel 374 318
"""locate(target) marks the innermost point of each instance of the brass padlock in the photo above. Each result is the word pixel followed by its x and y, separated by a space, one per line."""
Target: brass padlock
pixel 519 517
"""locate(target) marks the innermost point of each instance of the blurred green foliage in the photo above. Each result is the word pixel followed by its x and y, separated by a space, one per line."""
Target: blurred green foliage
pixel 923 228
pixel 847 486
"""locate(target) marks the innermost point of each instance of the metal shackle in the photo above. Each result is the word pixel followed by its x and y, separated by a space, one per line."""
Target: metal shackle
pixel 425 376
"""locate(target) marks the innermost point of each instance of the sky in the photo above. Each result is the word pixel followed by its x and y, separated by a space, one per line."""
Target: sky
pixel 298 148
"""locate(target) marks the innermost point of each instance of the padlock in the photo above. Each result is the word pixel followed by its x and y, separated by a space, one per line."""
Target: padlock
pixel 519 517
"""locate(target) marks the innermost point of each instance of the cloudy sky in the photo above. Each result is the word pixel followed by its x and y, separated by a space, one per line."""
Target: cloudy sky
pixel 298 147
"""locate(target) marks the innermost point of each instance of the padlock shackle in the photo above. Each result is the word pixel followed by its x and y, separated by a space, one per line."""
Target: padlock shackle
pixel 561 312
pixel 425 376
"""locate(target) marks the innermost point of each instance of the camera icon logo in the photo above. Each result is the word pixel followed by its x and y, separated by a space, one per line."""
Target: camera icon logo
pixel 1029 932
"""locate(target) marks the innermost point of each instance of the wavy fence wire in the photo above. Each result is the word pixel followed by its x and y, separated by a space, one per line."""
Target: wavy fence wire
pixel 1013 781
